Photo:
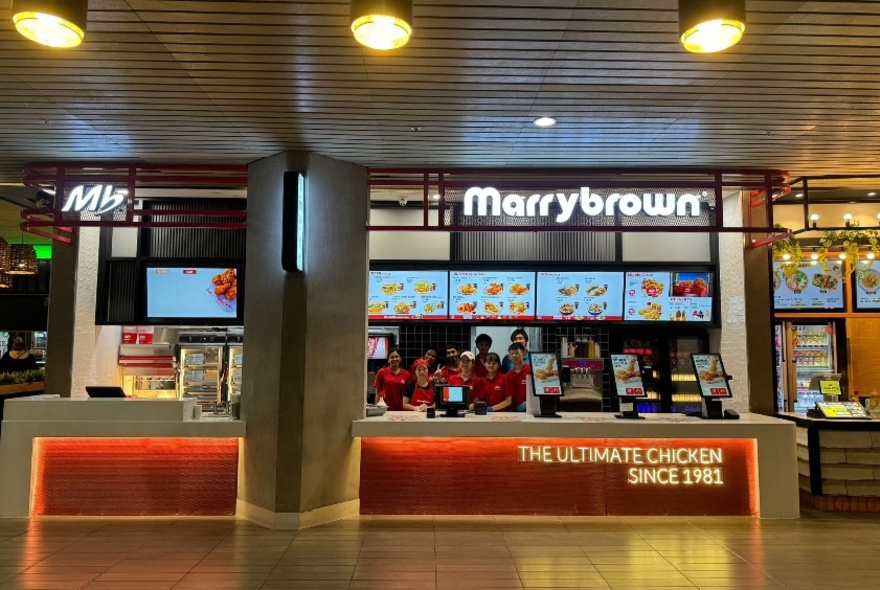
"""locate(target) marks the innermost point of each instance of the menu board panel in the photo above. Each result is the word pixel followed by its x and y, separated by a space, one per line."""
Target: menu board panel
pixel 408 295
pixel 711 375
pixel 582 296
pixel 492 295
pixel 627 375
pixel 867 284
pixel 807 286
pixel 668 296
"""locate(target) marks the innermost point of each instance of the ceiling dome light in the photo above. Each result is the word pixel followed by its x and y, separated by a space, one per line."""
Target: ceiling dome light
pixel 544 122
pixel 381 24
pixel 707 26
pixel 814 256
pixel 56 23
pixel 871 256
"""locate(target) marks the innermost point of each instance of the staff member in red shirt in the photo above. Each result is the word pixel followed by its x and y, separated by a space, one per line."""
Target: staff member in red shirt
pixel 493 385
pixel 515 378
pixel 391 380
pixel 468 377
pixel 442 374
pixel 419 394
pixel 430 357
pixel 484 343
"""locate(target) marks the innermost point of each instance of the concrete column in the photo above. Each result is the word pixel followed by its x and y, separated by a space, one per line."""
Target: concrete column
pixel 79 352
pixel 305 350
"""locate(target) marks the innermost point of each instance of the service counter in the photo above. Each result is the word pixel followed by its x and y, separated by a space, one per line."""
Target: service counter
pixel 838 463
pixel 580 464
pixel 116 457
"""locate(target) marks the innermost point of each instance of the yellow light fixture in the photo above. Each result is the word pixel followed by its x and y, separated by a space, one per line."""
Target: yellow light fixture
pixel 56 23
pixel 22 260
pixel 381 24
pixel 707 26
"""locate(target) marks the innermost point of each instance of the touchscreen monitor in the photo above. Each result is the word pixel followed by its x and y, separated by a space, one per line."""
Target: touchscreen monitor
pixel 545 374
pixel 627 371
pixel 711 375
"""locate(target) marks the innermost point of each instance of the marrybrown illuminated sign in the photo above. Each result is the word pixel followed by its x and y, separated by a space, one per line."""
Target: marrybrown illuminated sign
pixel 485 201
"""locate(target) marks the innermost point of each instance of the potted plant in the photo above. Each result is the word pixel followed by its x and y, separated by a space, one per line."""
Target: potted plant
pixel 22 381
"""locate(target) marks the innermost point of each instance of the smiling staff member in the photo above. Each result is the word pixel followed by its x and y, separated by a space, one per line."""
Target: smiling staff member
pixel 468 377
pixel 391 381
pixel 484 343
pixel 515 378
pixel 518 335
pixel 419 394
pixel 430 357
pixel 442 374
pixel 497 397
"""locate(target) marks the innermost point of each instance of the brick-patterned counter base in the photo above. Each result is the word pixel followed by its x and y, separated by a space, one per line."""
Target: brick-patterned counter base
pixel 135 476
pixel 839 503
pixel 552 476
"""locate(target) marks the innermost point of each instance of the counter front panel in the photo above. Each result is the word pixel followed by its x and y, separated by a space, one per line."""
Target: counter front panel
pixel 558 476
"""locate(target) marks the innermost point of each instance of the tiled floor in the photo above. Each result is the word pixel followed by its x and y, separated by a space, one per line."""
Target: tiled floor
pixel 817 552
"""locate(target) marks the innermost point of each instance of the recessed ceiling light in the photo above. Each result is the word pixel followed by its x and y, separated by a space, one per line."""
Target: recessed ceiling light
pixel 707 27
pixel 872 194
pixel 799 195
pixel 544 122
pixel 436 197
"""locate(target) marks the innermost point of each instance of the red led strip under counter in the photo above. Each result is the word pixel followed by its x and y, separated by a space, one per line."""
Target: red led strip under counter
pixel 134 476
pixel 488 476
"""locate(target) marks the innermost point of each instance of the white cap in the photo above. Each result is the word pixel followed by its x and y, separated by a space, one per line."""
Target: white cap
pixel 467 354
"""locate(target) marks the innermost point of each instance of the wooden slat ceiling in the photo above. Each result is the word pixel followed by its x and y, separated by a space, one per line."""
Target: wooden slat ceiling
pixel 184 81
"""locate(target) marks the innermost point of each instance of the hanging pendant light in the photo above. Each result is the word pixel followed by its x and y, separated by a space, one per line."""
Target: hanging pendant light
pixel 56 23
pixel 4 254
pixel 22 260
pixel 381 24
pixel 5 281
pixel 707 26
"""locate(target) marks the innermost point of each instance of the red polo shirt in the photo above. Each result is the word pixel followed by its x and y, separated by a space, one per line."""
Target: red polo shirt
pixel 515 384
pixel 476 384
pixel 389 386
pixel 494 391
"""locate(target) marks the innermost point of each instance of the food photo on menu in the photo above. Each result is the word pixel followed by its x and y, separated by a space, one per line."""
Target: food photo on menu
pixel 691 299
pixel 867 284
pixel 491 295
pixel 808 286
pixel 646 296
pixel 408 295
pixel 594 296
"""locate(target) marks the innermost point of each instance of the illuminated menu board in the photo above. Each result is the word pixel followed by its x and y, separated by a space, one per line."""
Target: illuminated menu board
pixel 582 296
pixel 867 284
pixel 492 295
pixel 807 286
pixel 668 296
pixel 408 295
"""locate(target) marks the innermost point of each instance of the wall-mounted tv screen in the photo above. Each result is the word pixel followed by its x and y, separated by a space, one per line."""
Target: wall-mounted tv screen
pixel 581 296
pixel 408 295
pixel 492 295
pixel 193 292
pixel 807 287
pixel 668 296
pixel 377 347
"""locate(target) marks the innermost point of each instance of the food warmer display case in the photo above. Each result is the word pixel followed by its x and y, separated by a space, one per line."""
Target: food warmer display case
pixel 667 371
pixel 234 364
pixel 200 366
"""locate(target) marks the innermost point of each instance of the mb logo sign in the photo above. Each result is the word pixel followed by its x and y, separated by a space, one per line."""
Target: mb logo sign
pixel 99 199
